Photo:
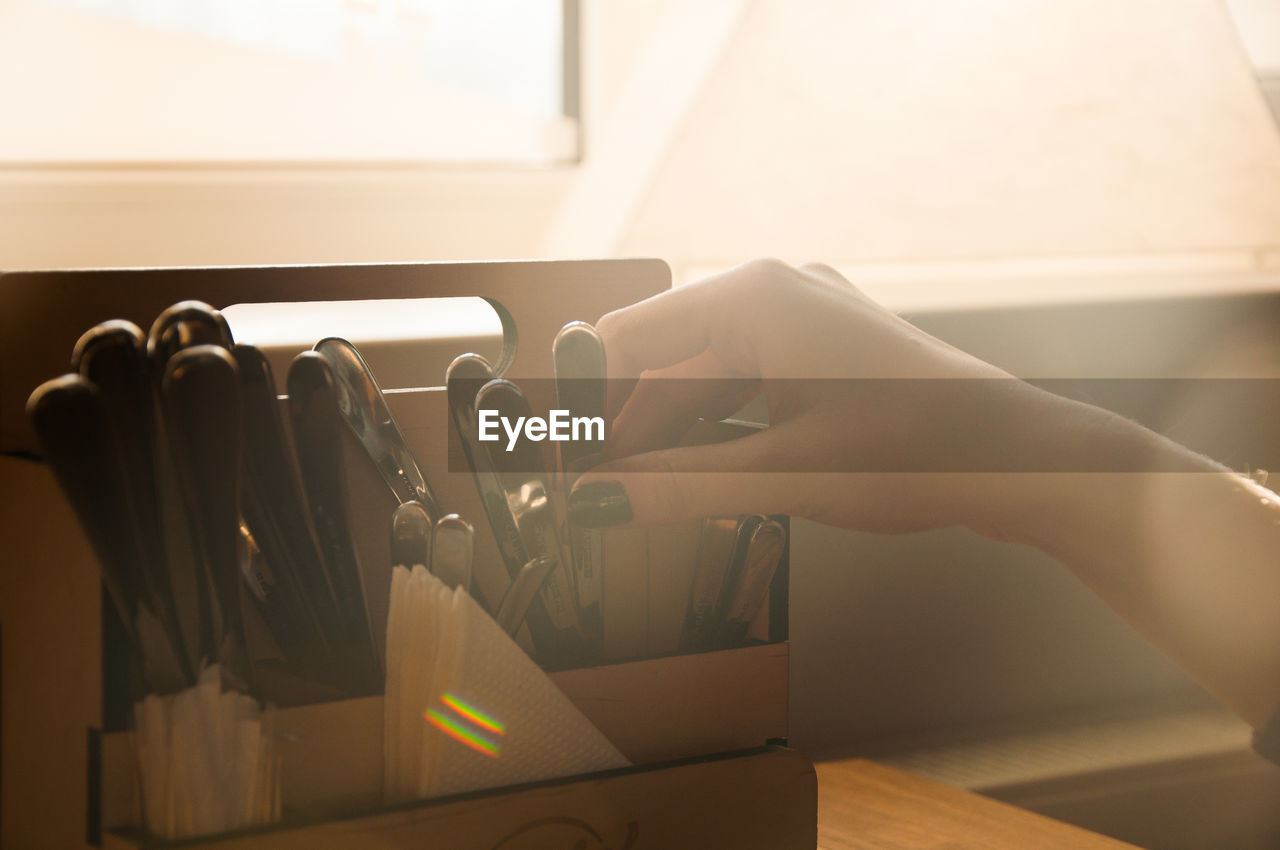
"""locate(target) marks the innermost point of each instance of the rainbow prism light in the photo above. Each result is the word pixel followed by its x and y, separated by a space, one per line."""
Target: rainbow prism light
pixel 467 725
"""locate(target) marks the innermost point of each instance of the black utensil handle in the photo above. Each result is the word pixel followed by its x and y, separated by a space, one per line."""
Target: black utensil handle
pixel 317 439
pixel 112 355
pixel 201 401
pixel 70 419
pixel 71 422
pixel 277 512
pixel 185 325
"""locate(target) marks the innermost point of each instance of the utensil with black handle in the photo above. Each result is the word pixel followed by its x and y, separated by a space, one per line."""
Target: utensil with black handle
pixel 522 474
pixel 200 397
pixel 301 610
pixel 317 441
pixel 71 421
pixel 185 325
pixel 112 355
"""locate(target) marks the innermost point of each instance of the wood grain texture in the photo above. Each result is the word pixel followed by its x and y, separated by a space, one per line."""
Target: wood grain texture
pixel 863 805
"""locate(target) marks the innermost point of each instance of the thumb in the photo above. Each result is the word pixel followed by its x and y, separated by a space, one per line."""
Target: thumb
pixel 670 485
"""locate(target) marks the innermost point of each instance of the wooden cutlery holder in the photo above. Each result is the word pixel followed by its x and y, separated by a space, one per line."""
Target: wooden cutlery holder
pixel 703 730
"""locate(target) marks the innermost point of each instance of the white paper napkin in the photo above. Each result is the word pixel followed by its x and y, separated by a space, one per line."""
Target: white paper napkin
pixel 466 708
pixel 207 760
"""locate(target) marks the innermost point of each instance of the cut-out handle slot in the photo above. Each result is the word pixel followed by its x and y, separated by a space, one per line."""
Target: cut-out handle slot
pixel 407 342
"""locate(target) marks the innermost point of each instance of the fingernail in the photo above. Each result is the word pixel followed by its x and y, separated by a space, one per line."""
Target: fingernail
pixel 599 504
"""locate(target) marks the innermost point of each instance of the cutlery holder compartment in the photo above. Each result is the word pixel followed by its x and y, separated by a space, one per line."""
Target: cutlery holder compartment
pixel 715 708
pixel 688 722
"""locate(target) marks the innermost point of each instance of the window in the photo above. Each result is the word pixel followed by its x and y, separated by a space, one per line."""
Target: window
pixel 246 81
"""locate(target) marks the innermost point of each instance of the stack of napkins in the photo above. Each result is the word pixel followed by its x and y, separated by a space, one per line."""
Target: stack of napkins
pixel 465 707
pixel 208 760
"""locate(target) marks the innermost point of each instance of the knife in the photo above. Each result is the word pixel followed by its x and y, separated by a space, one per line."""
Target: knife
pixel 112 356
pixel 301 610
pixel 70 418
pixel 528 500
pixel 365 410
pixel 578 357
pixel 184 325
pixel 201 401
pixel 317 441
pixel 748 585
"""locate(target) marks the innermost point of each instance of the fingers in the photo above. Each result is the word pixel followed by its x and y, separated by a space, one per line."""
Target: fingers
pixel 685 483
pixel 666 403
pixel 673 326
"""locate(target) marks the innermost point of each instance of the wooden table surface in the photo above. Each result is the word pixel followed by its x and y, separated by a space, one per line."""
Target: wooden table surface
pixel 862 804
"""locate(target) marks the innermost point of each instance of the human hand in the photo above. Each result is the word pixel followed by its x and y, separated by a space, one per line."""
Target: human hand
pixel 874 423
pixel 878 426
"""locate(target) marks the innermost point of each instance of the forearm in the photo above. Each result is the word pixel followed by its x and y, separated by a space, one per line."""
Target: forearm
pixel 1191 559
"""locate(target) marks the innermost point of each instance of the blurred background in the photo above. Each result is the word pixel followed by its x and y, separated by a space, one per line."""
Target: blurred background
pixel 911 142
pixel 1083 189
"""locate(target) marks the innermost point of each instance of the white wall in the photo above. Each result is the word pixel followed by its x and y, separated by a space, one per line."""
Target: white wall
pixel 911 131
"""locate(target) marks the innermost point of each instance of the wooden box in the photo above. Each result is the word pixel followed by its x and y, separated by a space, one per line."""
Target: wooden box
pixel 701 729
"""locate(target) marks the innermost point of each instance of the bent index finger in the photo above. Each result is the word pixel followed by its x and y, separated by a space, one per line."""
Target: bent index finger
pixel 673 326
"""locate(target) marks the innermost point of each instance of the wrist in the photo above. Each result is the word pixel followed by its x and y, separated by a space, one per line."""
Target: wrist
pixel 1082 474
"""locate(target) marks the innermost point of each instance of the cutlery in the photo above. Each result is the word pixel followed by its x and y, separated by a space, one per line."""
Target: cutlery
pixel 365 411
pixel 410 536
pixel 200 398
pixel 70 418
pixel 463 379
pixel 451 550
pixel 578 357
pixel 718 547
pixel 112 356
pixel 747 586
pixel 183 325
pixel 520 472
pixel 317 441
pixel 302 610
pixel 578 360
pixel 521 594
